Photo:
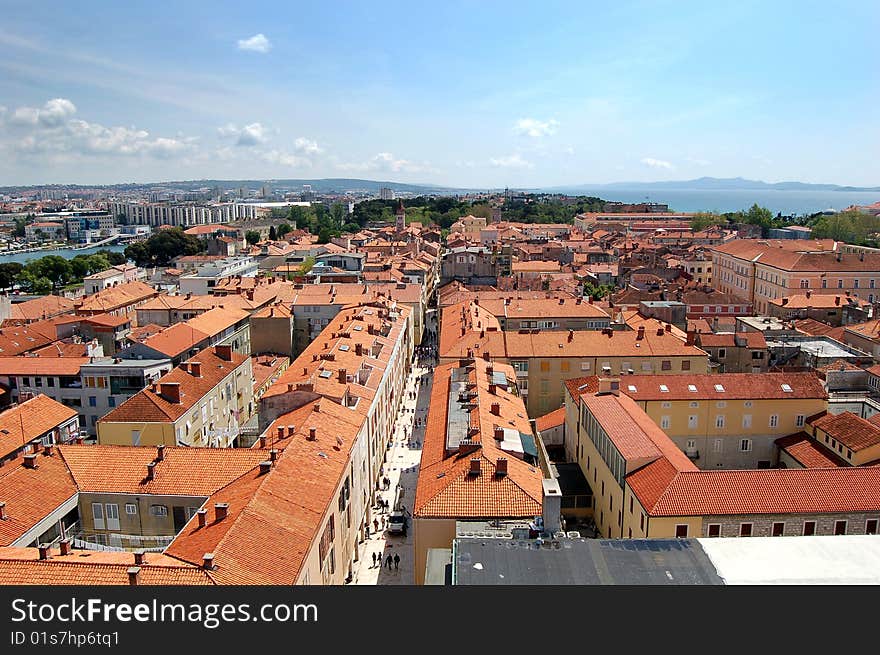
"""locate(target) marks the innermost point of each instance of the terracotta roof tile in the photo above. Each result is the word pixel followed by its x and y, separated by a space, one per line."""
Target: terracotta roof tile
pixel 853 432
pixel 32 418
pixel 809 453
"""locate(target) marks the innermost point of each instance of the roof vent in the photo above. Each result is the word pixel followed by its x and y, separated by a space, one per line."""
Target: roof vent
pixel 220 511
pixel 30 461
pixel 501 467
pixel 475 467
pixel 208 561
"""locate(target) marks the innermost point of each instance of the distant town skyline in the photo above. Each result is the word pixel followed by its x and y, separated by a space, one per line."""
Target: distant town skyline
pixel 469 95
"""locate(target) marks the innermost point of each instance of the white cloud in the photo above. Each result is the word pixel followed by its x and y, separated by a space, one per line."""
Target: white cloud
pixel 656 163
pixel 286 159
pixel 511 161
pixel 52 131
pixel 534 128
pixel 568 150
pixel 248 135
pixel 257 43
pixel 307 146
pixel 52 114
pixel 385 161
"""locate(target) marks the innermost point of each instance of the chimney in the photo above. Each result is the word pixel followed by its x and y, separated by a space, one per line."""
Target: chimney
pixel 65 546
pixel 570 336
pixel 668 327
pixel 78 440
pixel 809 293
pixel 3 515
pixel 290 430
pixel 160 452
pixel 501 467
pixel 552 505
pixel 48 450
pixel 492 388
pixel 273 455
pixel 358 349
pixel 140 557
pixel 195 369
pixel 44 551
pixel 659 331
pixel 151 467
pixel 313 434
pixel 499 433
pixel 590 299
pixel 223 352
pixel 496 409
pixel 202 516
pixel 475 466
pixel 280 434
pixel 262 442
pixel 265 467
pixel 170 391
pixel 836 300
pixel 208 561
pixel 689 341
pixel 609 386
pixel 641 334
pixel 784 302
pixel 133 573
pixel 30 461
pixel 342 376
pixel 220 511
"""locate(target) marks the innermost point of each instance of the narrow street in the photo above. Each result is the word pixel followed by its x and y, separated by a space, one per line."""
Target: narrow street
pixel 402 467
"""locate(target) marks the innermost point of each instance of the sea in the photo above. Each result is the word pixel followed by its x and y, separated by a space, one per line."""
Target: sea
pixel 788 203
pixel 67 253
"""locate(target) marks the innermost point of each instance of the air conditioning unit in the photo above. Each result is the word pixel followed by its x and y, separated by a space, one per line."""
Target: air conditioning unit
pixel 573 534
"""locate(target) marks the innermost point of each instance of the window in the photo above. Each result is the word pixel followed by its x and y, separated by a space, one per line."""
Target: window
pixel 713 530
pixel 642 523
pixel 718 445
pixel 719 388
pixel 631 505
pixel 585 366
pixel 719 421
pixel 666 365
pixel 774 420
pixel 722 353
pixel 681 531
pixel 856 283
pixel 664 388
pixel 691 444
pixel 778 530
pixel 745 529
pixel 111 401
pixel 747 420
pixel 158 510
pixel 799 420
pixel 38 382
pixel 131 509
pixel 840 527
pixel 686 365
pixel 805 284
pixel 692 421
pixel 840 284
pixel 694 404
pixel 664 422
pixel 135 437
pixel 721 404
pixel 93 401
pixel 871 526
pixel 745 445
pixel 747 403
pixel 809 528
pixel 98 515
pixel 545 366
pixel 666 404
pixel 824 283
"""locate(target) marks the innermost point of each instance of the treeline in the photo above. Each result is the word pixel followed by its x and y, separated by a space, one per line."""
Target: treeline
pixel 851 226
pixel 754 215
pixel 163 246
pixel 52 272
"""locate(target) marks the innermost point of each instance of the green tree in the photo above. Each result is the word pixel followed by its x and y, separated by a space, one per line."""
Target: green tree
pixel 164 246
pixel 324 235
pixel 306 266
pixel 283 229
pixel 52 267
pixel 351 228
pixel 702 220
pixel 273 233
pixel 115 258
pixel 252 237
pixel 8 274
pixel 337 213
pixel 299 216
pixel 34 283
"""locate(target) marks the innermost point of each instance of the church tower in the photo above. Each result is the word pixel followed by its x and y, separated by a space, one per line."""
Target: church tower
pixel 401 217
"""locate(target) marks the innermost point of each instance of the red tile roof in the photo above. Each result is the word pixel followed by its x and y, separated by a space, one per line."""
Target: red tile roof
pixel 808 452
pixel 853 432
pixel 29 420
pixel 551 420
pixel 723 386
pixel 40 308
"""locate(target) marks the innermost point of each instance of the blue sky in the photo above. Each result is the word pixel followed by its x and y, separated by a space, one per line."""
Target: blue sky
pixel 472 94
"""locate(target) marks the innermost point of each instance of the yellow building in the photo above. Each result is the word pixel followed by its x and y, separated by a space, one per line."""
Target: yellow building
pixel 200 403
pixel 644 486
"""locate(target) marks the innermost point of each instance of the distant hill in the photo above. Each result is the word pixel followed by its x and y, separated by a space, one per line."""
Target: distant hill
pixel 719 184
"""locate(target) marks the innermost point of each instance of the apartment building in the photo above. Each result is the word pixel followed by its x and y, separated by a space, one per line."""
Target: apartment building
pixel 763 270
pixel 544 359
pixel 546 313
pixel 202 402
pixel 121 300
pixel 835 310
pixel 469 264
pixel 332 414
pixel 645 486
pixel 38 421
pixel 112 277
pixel 183 214
pixel 734 352
pixel 479 458
pixel 729 420
pixel 208 275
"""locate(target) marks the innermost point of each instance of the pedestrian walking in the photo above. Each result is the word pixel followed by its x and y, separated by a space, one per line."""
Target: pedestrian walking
pixel 376 524
pixel 396 561
pixel 388 561
pixel 374 561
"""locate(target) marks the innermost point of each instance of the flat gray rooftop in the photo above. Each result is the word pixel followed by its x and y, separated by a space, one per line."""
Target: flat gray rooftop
pixel 493 561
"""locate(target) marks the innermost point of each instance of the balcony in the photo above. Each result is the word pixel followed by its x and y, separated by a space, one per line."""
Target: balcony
pixel 692 453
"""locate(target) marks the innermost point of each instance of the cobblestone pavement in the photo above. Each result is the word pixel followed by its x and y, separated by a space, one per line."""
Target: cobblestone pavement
pixel 402 467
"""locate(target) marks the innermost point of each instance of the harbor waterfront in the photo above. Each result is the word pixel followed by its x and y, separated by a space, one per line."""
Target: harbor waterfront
pixel 67 253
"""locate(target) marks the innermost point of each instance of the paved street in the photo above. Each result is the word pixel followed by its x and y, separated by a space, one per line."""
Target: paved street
pixel 402 467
